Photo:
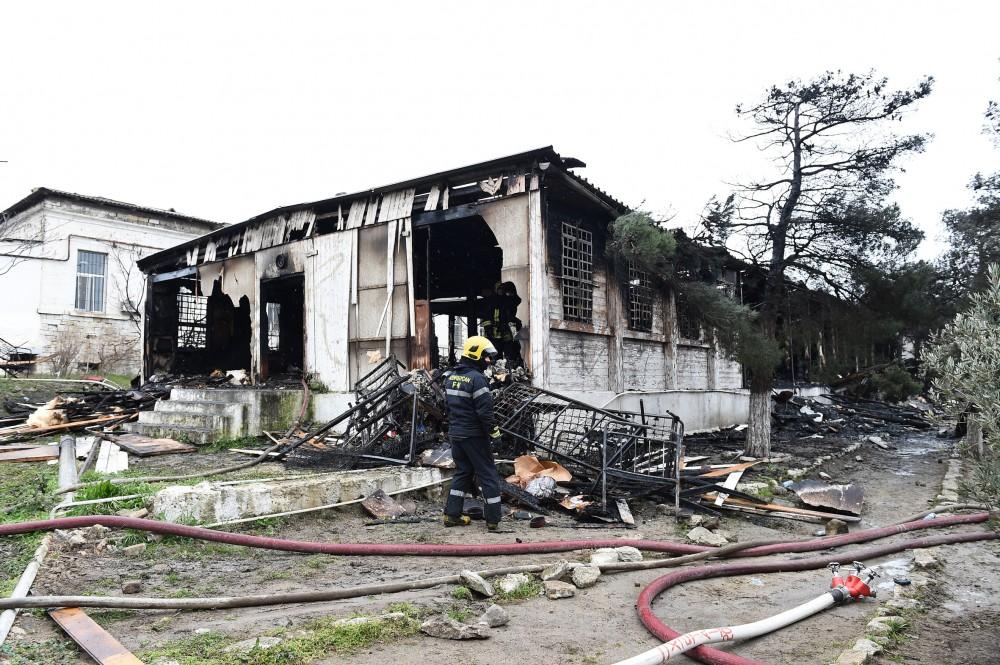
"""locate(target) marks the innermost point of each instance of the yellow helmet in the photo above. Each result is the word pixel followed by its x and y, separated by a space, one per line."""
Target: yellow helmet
pixel 476 346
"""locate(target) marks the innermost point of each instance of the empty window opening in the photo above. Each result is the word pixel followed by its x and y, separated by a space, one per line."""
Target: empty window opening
pixel 640 299
pixel 192 320
pixel 91 272
pixel 577 273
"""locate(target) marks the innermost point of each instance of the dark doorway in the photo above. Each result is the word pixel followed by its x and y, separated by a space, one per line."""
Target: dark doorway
pixel 282 328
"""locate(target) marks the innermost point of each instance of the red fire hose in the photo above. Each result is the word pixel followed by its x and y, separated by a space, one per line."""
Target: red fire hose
pixel 715 656
pixel 484 549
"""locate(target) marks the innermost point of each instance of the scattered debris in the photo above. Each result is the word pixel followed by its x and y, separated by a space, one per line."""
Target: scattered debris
pixel 846 498
pixel 144 446
pixel 380 505
pixel 835 527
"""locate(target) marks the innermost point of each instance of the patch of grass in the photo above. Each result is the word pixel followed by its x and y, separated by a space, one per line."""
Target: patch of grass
pixel 311 642
pixel 532 589
pixel 461 593
pixel 223 445
pixel 50 652
pixel 459 614
pixel 109 615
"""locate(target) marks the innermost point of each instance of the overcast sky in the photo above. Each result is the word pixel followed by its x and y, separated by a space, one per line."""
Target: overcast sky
pixel 226 110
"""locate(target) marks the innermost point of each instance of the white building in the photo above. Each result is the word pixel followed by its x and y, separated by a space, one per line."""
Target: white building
pixel 71 290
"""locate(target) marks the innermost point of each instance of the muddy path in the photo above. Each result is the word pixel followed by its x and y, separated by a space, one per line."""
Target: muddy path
pixel 598 625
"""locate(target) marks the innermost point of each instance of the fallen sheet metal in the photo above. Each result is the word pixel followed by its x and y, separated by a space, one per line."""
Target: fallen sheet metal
pixel 381 505
pixel 848 498
pixel 144 446
pixel 97 642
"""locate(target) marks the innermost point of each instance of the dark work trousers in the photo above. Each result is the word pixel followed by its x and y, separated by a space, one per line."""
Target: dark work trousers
pixel 474 459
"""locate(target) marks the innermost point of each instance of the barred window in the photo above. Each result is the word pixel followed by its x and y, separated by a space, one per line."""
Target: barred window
pixel 688 323
pixel 640 299
pixel 577 273
pixel 192 315
pixel 91 272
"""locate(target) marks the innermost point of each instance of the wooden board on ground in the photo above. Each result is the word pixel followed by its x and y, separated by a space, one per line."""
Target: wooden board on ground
pixel 777 508
pixel 33 454
pixel 145 446
pixel 97 642
pixel 382 506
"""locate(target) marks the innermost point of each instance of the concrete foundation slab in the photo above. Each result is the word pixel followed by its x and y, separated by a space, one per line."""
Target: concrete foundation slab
pixel 210 502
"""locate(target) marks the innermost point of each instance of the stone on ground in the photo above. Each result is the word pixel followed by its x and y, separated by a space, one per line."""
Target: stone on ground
pixel 556 571
pixel 604 556
pixel 555 590
pixel 703 536
pixel 925 559
pixel 511 583
pixel 131 586
pixel 586 576
pixel 477 583
pixel 448 629
pixel 494 616
pixel 628 553
pixel 836 527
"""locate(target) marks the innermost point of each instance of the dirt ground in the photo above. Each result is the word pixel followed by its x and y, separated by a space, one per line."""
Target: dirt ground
pixel 598 625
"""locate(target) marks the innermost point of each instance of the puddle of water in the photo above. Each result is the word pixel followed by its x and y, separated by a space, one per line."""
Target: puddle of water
pixel 893 568
pixel 914 445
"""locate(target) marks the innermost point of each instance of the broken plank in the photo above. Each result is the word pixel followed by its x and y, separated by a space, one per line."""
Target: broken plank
pixel 255 453
pixel 730 483
pixel 145 446
pixel 774 507
pixel 98 643
pixel 625 512
pixel 35 454
pixel 726 470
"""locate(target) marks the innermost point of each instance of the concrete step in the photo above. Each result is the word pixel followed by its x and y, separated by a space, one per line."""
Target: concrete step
pixel 234 411
pixel 235 395
pixel 197 435
pixel 221 423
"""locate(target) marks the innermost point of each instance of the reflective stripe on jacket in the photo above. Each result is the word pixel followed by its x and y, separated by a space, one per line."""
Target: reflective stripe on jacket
pixel 470 405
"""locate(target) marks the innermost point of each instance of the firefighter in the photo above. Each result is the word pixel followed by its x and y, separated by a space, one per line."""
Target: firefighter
pixel 502 315
pixel 472 429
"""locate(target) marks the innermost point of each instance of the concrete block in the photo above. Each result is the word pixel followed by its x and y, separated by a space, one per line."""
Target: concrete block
pixel 219 502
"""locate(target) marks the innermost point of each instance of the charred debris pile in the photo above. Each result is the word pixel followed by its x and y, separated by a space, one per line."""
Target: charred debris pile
pixel 559 454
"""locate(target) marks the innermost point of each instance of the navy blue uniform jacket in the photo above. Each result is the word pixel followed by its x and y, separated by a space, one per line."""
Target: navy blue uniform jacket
pixel 470 405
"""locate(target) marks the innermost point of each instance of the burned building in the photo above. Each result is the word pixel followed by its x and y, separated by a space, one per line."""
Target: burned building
pixel 331 287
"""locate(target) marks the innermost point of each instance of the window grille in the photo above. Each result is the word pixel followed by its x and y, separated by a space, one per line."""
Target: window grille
pixel 688 323
pixel 91 272
pixel 192 319
pixel 577 273
pixel 640 299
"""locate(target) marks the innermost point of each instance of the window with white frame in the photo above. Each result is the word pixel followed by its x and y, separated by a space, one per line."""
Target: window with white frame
pixel 577 273
pixel 91 273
